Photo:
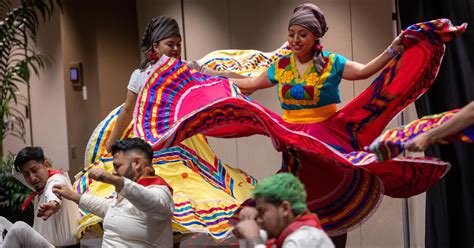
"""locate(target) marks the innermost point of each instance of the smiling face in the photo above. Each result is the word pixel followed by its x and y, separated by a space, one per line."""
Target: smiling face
pixel 301 40
pixel 35 173
pixel 170 47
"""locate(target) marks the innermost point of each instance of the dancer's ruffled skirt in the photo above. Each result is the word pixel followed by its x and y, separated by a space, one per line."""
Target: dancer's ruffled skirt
pixel 206 192
pixel 344 184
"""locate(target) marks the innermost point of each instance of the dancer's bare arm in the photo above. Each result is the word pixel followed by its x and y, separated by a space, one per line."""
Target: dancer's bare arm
pixel 124 118
pixel 461 120
pixel 251 84
pixel 357 71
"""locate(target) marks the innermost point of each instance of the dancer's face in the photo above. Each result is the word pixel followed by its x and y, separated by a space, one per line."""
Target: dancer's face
pixel 170 47
pixel 35 173
pixel 126 164
pixel 301 40
pixel 271 218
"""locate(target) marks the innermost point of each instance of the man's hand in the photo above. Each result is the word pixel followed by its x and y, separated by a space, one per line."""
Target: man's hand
pixel 47 209
pixel 248 230
pixel 64 191
pixel 102 175
pixel 99 174
pixel 248 213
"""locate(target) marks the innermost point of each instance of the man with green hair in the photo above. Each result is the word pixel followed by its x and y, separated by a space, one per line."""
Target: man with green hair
pixel 282 213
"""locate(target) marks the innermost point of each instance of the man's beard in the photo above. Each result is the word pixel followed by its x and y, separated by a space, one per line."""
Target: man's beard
pixel 130 173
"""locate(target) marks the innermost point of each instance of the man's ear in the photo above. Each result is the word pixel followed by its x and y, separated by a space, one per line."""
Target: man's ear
pixel 137 163
pixel 286 207
pixel 47 164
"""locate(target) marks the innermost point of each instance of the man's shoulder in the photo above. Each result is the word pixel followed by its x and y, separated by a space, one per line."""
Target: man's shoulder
pixel 308 236
pixel 154 181
pixel 60 176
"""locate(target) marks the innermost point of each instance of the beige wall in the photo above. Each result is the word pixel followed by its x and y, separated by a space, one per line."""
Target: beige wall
pixel 48 109
pixel 78 36
pixel 117 50
pixel 103 37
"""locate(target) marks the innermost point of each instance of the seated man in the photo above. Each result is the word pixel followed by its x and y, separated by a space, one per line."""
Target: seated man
pixel 141 214
pixel 51 227
pixel 282 213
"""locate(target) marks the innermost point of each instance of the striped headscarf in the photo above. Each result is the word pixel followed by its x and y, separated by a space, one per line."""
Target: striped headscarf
pixel 312 18
pixel 159 28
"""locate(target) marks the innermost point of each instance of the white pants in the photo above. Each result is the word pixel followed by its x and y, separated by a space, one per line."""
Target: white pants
pixel 21 234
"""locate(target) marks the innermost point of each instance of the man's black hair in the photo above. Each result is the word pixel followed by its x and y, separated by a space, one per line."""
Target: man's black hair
pixel 134 144
pixel 26 155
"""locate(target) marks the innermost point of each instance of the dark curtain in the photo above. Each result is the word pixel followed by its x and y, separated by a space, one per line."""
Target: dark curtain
pixel 450 204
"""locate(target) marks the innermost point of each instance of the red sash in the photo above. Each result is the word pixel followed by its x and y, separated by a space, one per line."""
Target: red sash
pixel 153 180
pixel 35 193
pixel 306 219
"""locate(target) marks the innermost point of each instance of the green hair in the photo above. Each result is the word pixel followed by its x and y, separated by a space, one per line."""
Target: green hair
pixel 283 187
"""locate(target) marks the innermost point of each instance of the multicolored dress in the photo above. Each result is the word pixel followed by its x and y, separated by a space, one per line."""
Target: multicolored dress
pixel 207 192
pixel 392 142
pixel 344 183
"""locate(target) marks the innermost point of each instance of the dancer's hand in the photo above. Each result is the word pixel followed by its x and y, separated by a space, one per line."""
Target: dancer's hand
pixel 108 146
pixel 397 45
pixel 248 213
pixel 47 209
pixel 64 191
pixel 419 143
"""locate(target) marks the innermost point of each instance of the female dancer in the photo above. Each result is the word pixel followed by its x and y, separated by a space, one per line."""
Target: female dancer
pixel 308 78
pixel 161 37
pixel 207 192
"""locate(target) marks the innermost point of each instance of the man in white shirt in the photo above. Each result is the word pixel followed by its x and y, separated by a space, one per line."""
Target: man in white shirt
pixel 141 214
pixel 55 219
pixel 282 213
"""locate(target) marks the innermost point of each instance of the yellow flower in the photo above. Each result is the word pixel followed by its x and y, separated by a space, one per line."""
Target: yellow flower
pixel 278 74
pixel 312 79
pixel 287 77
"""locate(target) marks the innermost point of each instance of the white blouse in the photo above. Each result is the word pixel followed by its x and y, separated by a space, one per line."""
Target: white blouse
pixel 139 78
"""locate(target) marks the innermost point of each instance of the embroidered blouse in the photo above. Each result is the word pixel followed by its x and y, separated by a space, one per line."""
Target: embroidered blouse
pixel 311 97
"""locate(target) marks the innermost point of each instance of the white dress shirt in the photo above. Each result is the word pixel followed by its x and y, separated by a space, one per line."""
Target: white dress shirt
pixel 139 217
pixel 59 229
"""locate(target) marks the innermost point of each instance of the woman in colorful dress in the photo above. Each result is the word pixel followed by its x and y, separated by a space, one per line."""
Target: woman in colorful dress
pixel 161 37
pixel 322 146
pixel 308 79
pixel 207 192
